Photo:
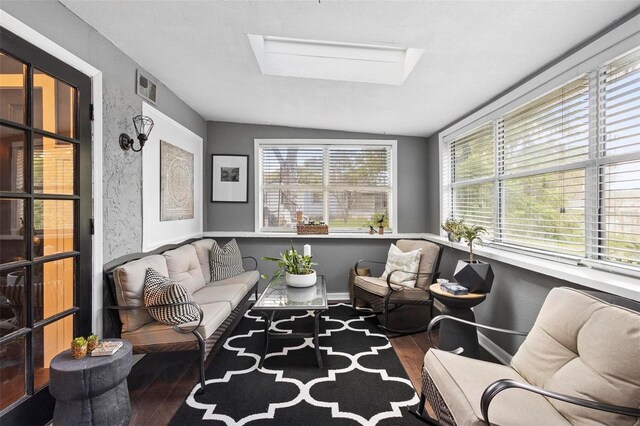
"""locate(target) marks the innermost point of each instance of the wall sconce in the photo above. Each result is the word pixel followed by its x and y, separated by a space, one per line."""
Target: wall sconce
pixel 143 125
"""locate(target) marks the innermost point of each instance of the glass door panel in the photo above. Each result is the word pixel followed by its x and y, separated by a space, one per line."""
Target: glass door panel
pixel 13 300
pixel 53 104
pixel 53 166
pixel 13 94
pixel 12 143
pixel 53 288
pixel 49 341
pixel 53 227
pixel 13 247
pixel 12 371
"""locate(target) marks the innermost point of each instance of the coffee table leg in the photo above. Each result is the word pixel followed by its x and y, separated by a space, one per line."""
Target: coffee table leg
pixel 316 337
pixel 267 325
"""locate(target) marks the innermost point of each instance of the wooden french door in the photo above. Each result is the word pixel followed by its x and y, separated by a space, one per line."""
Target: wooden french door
pixel 45 222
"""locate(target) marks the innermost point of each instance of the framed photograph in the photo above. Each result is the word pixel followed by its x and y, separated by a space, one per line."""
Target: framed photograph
pixel 230 178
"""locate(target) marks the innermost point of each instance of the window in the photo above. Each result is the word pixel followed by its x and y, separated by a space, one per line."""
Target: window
pixel 559 174
pixel 341 183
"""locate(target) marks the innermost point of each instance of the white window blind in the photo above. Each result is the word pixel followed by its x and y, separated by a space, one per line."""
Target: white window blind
pixel 339 184
pixel 544 158
pixel 566 175
pixel 472 170
pixel 619 162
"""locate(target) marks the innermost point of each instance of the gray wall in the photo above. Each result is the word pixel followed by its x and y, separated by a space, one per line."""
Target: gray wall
pixel 335 257
pixel 236 138
pixel 122 178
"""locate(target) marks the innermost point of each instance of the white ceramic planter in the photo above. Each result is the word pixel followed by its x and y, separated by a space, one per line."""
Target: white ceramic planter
pixel 306 280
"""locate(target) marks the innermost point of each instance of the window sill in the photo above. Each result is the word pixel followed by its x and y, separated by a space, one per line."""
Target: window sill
pixel 291 235
pixel 609 282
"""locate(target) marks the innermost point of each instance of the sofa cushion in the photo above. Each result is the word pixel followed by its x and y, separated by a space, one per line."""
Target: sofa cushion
pixel 160 290
pixel 380 288
pixel 203 249
pixel 156 333
pixel 406 265
pixel 226 261
pixel 428 259
pixel 461 382
pixel 184 267
pixel 129 286
pixel 248 279
pixel 584 347
pixel 230 293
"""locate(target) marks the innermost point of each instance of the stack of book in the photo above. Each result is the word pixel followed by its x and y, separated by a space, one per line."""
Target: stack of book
pixel 454 288
pixel 107 347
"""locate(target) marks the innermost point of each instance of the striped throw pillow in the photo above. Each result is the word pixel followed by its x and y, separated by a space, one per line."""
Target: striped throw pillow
pixel 225 262
pixel 160 290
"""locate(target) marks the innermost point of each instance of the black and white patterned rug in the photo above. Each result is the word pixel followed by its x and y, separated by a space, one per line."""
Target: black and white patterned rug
pixel 363 382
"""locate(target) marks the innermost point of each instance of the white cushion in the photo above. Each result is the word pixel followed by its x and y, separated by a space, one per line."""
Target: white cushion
pixel 203 249
pixel 230 293
pixel 401 261
pixel 129 283
pixel 184 267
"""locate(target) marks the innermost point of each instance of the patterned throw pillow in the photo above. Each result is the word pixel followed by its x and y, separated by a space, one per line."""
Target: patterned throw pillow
pixel 225 262
pixel 160 290
pixel 401 261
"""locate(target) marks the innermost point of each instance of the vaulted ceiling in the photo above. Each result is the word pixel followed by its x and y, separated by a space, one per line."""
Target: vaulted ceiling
pixel 473 51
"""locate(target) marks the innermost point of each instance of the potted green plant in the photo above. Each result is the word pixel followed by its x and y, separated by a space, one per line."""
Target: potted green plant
pixel 382 220
pixel 453 228
pixel 295 267
pixel 475 275
pixel 79 347
pixel 92 342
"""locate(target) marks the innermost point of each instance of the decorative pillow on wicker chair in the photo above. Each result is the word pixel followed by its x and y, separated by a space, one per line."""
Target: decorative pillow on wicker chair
pixel 160 290
pixel 408 263
pixel 225 262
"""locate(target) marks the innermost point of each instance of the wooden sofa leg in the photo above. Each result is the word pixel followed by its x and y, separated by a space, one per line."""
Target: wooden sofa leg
pixel 203 354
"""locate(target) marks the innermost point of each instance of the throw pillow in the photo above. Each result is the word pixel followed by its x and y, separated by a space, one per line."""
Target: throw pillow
pixel 225 262
pixel 160 290
pixel 401 261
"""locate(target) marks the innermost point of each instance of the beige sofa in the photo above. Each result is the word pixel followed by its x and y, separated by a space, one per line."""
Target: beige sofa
pixel 582 352
pixel 219 302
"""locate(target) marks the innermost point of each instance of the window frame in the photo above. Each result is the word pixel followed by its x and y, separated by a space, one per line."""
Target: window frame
pixel 258 183
pixel 495 112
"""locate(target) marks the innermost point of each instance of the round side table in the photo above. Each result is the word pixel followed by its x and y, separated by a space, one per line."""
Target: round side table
pixel 453 334
pixel 91 390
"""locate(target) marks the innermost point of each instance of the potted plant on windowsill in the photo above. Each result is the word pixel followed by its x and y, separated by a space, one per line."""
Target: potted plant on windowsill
pixel 453 228
pixel 475 275
pixel 295 267
pixel 382 219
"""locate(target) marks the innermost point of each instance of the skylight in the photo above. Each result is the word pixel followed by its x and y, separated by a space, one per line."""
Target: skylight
pixel 364 63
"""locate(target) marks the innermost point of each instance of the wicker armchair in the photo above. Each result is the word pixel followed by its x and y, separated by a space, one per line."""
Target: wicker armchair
pixel 384 297
pixel 578 365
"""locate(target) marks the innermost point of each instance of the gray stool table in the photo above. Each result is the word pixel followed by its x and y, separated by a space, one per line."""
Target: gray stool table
pixel 91 390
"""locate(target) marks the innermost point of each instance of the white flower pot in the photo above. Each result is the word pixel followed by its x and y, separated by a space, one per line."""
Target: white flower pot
pixel 305 280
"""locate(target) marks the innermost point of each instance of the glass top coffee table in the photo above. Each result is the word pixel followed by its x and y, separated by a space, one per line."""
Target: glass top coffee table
pixel 279 297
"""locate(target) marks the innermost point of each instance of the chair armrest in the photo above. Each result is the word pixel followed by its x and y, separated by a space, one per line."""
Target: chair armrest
pixel 458 351
pixel 255 262
pixel 367 261
pixel 496 387
pixel 168 305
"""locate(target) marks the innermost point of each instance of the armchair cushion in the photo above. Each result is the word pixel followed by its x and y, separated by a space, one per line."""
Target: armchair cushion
pixel 406 263
pixel 587 348
pixel 379 287
pixel 461 382
pixel 428 259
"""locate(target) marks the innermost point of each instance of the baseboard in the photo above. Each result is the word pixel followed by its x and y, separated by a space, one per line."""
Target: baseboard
pixel 496 351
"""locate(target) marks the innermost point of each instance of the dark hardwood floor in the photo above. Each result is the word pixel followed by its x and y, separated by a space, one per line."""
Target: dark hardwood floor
pixel 160 382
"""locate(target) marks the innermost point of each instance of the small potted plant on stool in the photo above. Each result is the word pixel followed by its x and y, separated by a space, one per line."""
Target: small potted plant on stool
pixel 475 275
pixel 79 347
pixel 92 342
